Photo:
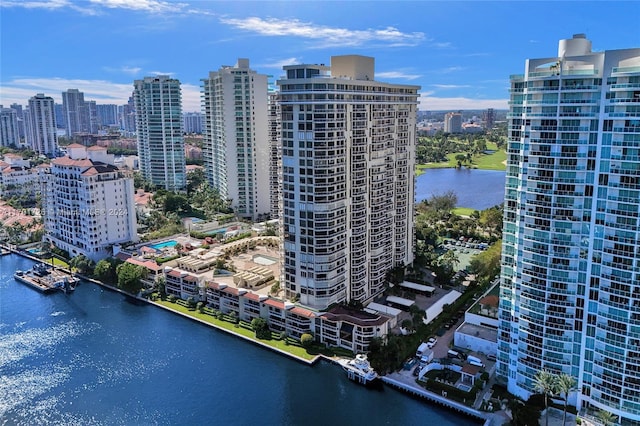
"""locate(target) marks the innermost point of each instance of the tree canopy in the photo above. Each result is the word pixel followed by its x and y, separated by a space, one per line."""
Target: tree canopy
pixel 130 277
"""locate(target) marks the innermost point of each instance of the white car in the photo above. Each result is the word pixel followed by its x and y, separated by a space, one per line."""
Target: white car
pixel 432 342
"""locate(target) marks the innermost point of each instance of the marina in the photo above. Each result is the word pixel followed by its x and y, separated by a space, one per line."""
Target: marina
pixel 46 280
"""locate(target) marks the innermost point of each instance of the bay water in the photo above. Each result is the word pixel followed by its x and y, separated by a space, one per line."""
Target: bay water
pixel 92 358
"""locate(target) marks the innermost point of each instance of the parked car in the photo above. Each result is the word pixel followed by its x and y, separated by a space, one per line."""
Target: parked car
pixel 432 342
pixel 416 370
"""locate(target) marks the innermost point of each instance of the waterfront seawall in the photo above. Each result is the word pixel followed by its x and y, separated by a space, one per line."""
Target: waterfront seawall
pixel 440 400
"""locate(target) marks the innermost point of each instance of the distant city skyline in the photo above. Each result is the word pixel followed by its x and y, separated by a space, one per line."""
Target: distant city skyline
pixel 460 53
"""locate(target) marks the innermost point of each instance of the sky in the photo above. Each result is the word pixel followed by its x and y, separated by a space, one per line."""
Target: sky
pixel 461 53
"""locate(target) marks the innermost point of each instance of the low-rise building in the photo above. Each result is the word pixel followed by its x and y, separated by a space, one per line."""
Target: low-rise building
pixel 18 178
pixel 479 331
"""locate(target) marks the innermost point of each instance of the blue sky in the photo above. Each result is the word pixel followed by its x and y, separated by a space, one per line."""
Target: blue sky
pixel 460 53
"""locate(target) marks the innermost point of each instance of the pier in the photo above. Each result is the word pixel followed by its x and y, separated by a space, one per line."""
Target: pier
pixel 438 399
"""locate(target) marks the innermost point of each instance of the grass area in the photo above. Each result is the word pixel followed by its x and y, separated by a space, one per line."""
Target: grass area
pixel 463 211
pixel 58 263
pixel 278 344
pixel 495 161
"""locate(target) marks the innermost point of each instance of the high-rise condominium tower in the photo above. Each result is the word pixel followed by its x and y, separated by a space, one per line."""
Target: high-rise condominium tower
pixel 453 122
pixel 76 113
pixel 275 148
pixel 41 125
pixel 348 153
pixel 9 130
pixel 236 138
pixel 570 282
pixel 158 111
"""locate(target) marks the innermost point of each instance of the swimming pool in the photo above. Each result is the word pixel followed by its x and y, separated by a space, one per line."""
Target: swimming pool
pixel 160 246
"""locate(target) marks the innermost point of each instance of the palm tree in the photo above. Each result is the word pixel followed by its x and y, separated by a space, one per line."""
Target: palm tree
pixel 566 384
pixel 545 383
pixel 515 406
pixel 607 418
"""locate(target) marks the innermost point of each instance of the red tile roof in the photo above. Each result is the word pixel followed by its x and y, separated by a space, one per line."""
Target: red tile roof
pixel 175 273
pixel 252 296
pixel 231 290
pixel 152 266
pixel 66 161
pixel 274 303
pixel 302 312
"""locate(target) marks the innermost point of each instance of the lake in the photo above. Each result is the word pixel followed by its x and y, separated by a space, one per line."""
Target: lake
pixel 476 189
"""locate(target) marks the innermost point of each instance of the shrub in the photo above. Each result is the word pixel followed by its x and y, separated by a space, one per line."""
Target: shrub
pixel 306 340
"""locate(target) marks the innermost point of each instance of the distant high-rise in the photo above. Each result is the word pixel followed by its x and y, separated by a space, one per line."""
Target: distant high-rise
pixel 192 122
pixel 75 112
pixel 348 156
pixel 570 281
pixel 41 125
pixel 453 122
pixel 489 118
pixel 236 138
pixel 275 147
pixel 92 117
pixel 9 129
pixel 158 112
pixel 21 122
pixel 127 116
pixel 107 115
pixel 60 116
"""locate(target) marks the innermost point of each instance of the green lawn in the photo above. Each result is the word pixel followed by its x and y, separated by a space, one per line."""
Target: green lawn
pixel 57 262
pixel 495 161
pixel 278 344
pixel 463 211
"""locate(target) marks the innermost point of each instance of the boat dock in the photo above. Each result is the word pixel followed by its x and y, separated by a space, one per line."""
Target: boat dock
pixel 422 393
pixel 46 282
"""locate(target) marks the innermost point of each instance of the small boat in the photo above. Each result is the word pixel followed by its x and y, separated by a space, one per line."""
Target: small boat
pixel 359 370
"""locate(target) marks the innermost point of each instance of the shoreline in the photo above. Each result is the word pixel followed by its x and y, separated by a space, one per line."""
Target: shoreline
pixel 422 394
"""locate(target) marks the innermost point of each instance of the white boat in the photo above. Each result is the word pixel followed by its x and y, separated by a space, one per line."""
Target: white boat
pixel 359 369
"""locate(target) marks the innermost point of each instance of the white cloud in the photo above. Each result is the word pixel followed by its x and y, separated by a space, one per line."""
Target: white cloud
pixel 95 6
pixel 450 69
pixel 161 73
pixel 427 102
pixel 21 89
pixel 325 36
pixel 48 5
pixel 450 86
pixel 443 45
pixel 125 69
pixel 102 91
pixel 153 6
pixel 191 98
pixel 282 62
pixel 130 70
pixel 397 74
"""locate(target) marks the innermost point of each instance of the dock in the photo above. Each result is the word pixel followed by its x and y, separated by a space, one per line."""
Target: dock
pixel 440 400
pixel 46 282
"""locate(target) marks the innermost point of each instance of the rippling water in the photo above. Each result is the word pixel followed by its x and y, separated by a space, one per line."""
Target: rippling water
pixel 476 189
pixel 91 358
